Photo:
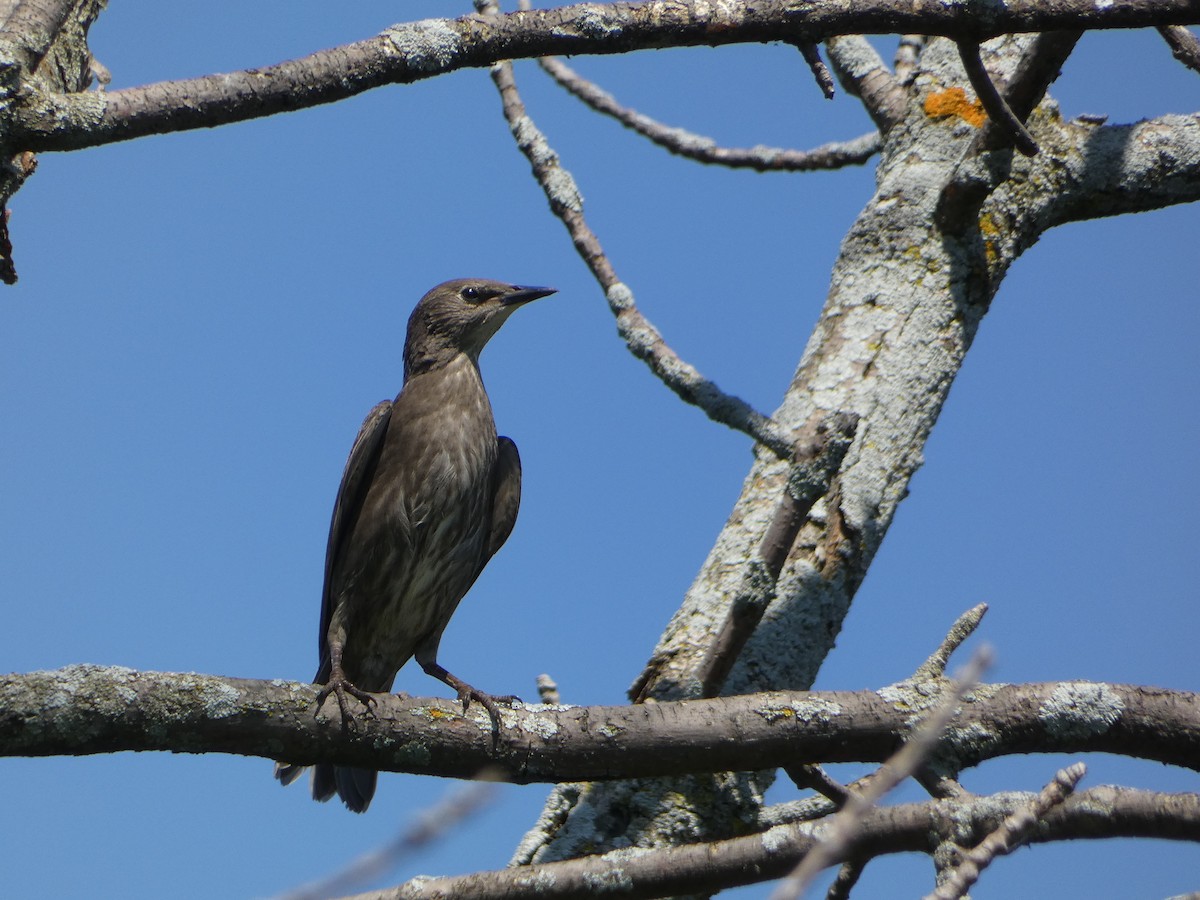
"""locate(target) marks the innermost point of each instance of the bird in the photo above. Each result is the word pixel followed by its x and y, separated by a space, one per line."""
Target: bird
pixel 429 493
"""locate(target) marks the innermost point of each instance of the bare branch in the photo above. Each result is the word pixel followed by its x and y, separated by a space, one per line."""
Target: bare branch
pixel 818 457
pixel 31 27
pixel 414 51
pixel 704 150
pixel 995 105
pixel 641 337
pixel 705 868
pixel 431 826
pixel 812 56
pixel 1038 68
pixel 842 833
pixel 815 778
pixel 847 877
pixel 1009 835
pixel 1120 169
pixel 83 710
pixel 548 690
pixel 1184 45
pixel 964 626
pixel 864 75
pixel 908 54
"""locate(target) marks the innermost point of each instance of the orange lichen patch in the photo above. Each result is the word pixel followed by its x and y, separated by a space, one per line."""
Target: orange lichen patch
pixel 953 102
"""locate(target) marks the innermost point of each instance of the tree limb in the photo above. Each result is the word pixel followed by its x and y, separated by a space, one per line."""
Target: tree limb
pixel 863 74
pixel 704 150
pixel 998 110
pixel 413 51
pixel 1184 45
pixel 1010 834
pixel 84 710
pixel 1118 169
pixel 641 337
pixel 916 827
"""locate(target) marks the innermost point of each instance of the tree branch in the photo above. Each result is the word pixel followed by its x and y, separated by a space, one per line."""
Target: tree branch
pixel 1118 169
pixel 1010 834
pixel 83 710
pixel 842 835
pixel 413 51
pixel 1184 45
pixel 815 463
pixel 641 337
pixel 704 150
pixel 863 74
pixel 997 108
pixel 31 27
pixel 705 868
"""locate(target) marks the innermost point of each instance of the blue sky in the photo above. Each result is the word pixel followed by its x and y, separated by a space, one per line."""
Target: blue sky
pixel 203 320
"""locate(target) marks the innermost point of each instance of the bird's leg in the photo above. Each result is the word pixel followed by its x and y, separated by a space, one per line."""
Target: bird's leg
pixel 340 685
pixel 467 693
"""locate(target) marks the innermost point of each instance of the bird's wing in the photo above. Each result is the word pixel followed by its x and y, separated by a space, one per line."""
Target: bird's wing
pixel 360 467
pixel 506 496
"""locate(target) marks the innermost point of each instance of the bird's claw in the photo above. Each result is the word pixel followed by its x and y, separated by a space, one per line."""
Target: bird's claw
pixel 341 687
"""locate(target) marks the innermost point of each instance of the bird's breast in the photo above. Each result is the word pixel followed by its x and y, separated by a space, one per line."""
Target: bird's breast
pixel 441 449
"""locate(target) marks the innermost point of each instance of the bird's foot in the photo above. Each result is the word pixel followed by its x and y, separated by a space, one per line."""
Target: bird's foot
pixel 490 702
pixel 467 693
pixel 340 685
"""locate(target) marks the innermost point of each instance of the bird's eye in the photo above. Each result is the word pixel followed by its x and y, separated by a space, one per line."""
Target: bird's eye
pixel 472 294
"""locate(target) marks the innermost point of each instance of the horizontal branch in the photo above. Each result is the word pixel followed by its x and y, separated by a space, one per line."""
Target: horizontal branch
pixel 1103 812
pixel 1121 169
pixel 413 51
pixel 83 710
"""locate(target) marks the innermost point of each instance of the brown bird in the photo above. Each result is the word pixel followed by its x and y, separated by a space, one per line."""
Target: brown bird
pixel 428 495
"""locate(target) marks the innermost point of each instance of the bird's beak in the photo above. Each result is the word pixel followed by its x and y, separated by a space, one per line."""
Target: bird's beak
pixel 520 294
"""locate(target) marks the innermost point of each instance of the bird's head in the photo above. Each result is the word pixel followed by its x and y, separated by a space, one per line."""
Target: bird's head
pixel 460 317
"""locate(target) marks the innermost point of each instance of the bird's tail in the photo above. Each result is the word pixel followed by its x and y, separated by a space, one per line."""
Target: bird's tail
pixel 355 787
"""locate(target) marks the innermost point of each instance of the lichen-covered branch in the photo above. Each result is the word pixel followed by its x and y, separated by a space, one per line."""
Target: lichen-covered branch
pixel 82 710
pixel 1010 834
pixel 413 51
pixel 1104 812
pixel 906 298
pixel 1116 169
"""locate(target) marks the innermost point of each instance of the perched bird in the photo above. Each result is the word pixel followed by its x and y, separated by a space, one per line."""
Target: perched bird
pixel 428 495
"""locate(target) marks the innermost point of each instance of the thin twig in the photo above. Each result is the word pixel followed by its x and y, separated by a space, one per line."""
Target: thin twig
pixel 847 877
pixel 1185 46
pixel 702 149
pixel 817 66
pixel 548 690
pixel 1037 69
pixel 430 826
pixel 994 105
pixel 964 626
pixel 815 778
pixel 969 185
pixel 641 337
pixel 839 838
pixel 1010 835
